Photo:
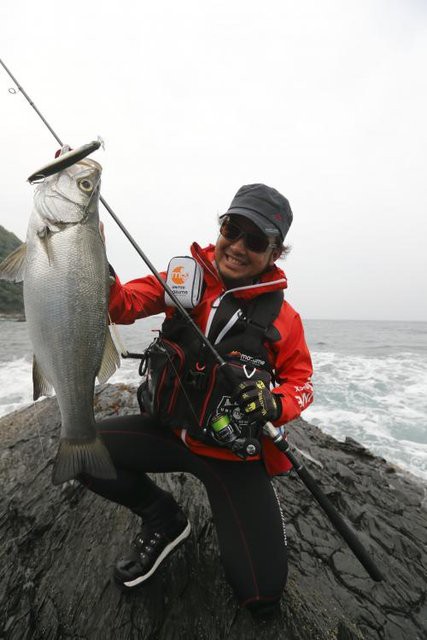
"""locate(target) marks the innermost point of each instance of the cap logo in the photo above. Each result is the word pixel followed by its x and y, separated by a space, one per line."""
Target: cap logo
pixel 277 216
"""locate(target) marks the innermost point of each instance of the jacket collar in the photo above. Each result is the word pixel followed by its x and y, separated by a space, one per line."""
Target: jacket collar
pixel 271 280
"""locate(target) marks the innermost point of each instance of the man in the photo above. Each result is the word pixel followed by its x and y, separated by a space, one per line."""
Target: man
pixel 192 420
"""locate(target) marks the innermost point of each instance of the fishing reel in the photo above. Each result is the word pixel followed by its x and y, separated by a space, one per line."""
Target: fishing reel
pixel 237 436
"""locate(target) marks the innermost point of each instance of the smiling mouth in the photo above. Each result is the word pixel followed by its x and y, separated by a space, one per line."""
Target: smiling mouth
pixel 235 261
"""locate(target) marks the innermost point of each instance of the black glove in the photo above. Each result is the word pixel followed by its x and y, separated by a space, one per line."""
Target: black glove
pixel 256 401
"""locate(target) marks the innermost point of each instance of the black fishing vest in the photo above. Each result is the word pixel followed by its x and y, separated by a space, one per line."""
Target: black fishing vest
pixel 183 385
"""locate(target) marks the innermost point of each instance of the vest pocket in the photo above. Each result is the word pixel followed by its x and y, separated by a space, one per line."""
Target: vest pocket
pixel 163 364
pixel 185 390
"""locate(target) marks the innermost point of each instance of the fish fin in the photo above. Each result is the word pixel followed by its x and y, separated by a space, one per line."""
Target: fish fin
pixel 43 235
pixel 12 268
pixel 110 360
pixel 82 456
pixel 41 385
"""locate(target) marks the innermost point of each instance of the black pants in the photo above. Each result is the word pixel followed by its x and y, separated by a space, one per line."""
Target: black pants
pixel 244 504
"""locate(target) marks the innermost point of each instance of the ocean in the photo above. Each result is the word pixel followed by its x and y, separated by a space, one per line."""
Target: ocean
pixel 370 381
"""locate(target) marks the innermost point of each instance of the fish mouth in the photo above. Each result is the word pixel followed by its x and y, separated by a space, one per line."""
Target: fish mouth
pixel 59 200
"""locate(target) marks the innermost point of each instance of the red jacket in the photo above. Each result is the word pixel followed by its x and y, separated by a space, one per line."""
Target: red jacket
pixel 289 356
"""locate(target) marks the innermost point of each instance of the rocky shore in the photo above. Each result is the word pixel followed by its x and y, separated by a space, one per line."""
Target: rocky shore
pixel 11 293
pixel 58 546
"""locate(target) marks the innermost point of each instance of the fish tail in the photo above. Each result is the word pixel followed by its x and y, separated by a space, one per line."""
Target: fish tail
pixel 82 456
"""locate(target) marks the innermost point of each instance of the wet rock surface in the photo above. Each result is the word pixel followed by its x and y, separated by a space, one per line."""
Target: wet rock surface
pixel 58 546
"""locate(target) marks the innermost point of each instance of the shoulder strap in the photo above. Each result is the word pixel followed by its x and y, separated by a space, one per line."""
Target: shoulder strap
pixel 262 312
pixel 228 313
pixel 255 316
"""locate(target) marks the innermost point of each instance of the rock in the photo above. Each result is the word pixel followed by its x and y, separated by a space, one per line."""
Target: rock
pixel 11 293
pixel 59 545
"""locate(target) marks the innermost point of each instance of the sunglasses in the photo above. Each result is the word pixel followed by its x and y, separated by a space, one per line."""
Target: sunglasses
pixel 256 242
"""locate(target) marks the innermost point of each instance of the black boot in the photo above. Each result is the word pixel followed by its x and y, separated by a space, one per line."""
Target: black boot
pixel 165 527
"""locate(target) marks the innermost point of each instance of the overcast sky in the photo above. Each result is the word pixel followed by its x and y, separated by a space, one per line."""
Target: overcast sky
pixel 324 100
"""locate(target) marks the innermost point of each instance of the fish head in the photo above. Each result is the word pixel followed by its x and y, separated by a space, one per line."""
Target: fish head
pixel 70 196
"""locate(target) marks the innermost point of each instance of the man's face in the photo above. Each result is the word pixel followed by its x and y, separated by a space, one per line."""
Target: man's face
pixel 237 264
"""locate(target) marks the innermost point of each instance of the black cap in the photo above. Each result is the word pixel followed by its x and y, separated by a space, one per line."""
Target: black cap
pixel 265 206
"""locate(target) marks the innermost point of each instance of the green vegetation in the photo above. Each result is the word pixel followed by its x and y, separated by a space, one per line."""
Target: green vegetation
pixel 11 296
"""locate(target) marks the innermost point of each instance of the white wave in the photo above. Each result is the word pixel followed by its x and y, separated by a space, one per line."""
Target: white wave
pixel 127 373
pixel 16 386
pixel 378 401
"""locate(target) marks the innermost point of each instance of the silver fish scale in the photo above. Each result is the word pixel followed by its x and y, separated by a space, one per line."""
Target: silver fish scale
pixel 66 297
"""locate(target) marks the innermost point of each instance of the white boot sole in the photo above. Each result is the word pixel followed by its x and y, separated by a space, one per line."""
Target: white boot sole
pixel 166 551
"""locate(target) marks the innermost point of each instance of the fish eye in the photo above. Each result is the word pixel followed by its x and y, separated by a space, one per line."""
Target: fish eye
pixel 86 185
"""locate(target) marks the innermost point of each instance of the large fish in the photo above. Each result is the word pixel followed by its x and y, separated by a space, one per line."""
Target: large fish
pixel 66 289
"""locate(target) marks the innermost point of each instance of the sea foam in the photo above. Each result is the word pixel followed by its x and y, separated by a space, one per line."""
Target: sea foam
pixel 16 386
pixel 378 401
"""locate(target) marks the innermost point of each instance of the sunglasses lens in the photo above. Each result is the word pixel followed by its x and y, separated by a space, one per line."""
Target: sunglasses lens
pixel 230 231
pixel 256 243
pixel 253 241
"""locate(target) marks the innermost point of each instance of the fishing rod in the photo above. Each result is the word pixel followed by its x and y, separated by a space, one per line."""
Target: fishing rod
pixel 269 429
